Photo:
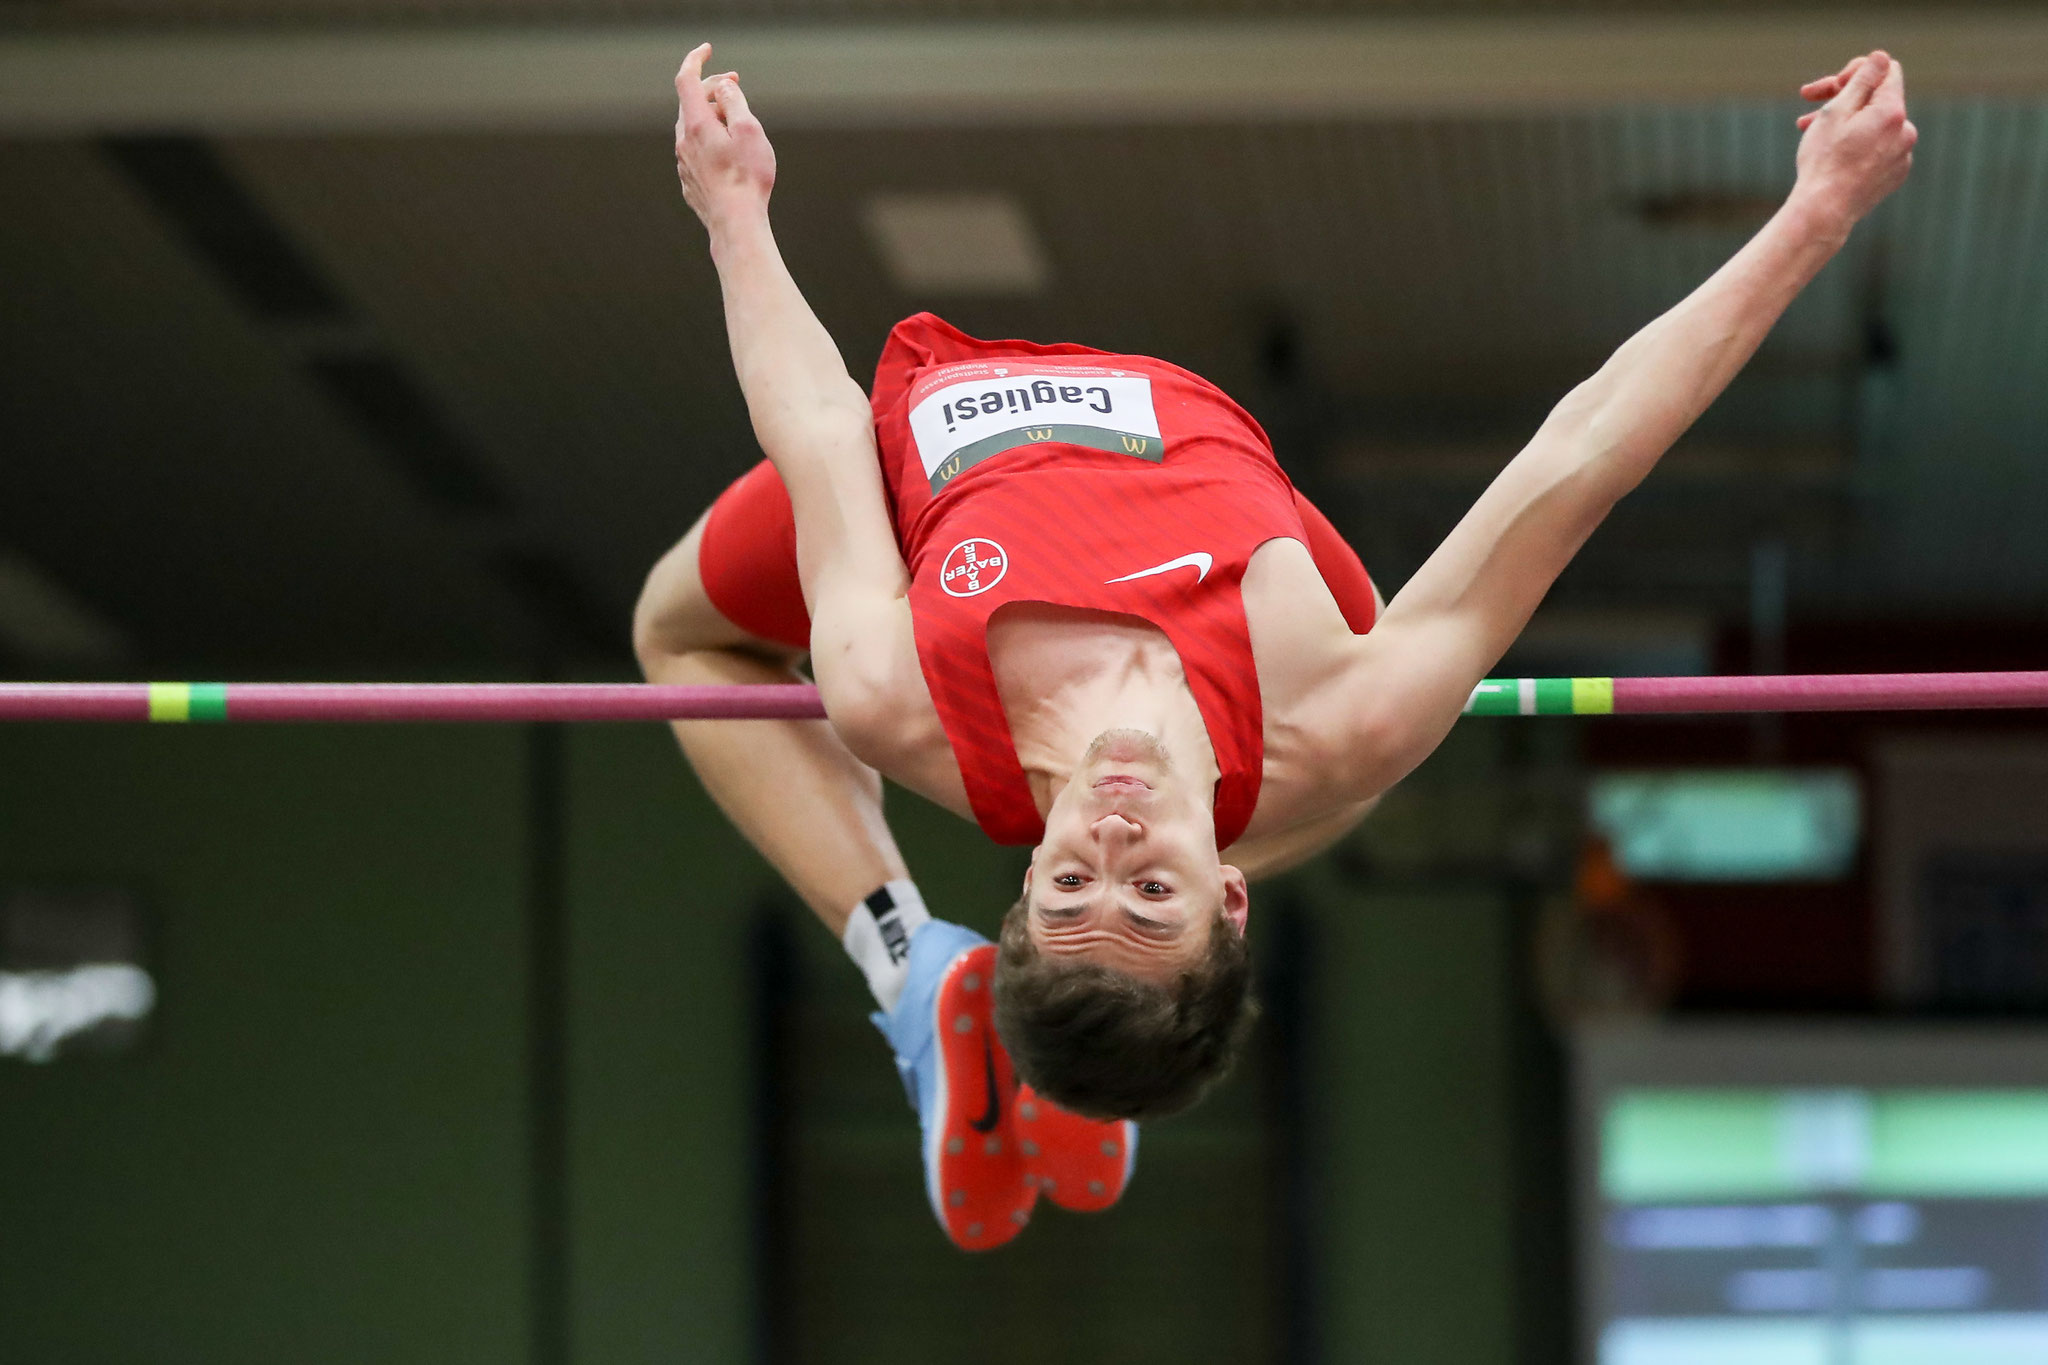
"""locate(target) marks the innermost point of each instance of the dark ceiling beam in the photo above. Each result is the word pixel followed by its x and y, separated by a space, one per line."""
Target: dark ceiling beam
pixel 255 258
pixel 282 289
pixel 616 76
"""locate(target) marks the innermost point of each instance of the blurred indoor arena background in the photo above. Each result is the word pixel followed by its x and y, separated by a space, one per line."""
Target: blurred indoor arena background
pixel 372 338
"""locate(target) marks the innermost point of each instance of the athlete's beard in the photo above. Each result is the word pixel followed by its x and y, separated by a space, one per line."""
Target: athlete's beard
pixel 1144 741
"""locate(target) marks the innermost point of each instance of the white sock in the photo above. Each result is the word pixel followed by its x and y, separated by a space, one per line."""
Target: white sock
pixel 877 938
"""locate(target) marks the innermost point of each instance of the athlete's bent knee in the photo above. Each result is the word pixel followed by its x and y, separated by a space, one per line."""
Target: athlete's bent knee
pixel 658 616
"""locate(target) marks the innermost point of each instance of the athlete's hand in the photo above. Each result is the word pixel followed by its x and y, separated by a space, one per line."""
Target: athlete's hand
pixel 722 154
pixel 1859 144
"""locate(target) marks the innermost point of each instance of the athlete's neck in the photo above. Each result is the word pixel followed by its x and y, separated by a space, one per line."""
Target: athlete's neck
pixel 1067 676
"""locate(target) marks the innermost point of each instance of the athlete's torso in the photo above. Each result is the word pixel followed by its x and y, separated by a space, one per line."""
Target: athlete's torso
pixel 1098 483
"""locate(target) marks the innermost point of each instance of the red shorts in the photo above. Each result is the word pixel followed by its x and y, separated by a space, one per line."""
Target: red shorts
pixel 747 561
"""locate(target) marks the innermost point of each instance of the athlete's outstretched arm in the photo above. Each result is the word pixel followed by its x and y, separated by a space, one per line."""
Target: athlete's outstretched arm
pixel 811 418
pixel 1450 624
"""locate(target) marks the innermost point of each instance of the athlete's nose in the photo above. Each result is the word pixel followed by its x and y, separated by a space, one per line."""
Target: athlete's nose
pixel 1116 828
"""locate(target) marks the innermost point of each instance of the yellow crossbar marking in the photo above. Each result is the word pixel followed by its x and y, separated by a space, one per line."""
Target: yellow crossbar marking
pixel 1592 696
pixel 170 702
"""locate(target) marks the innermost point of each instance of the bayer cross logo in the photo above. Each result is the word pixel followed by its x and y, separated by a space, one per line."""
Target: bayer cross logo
pixel 973 566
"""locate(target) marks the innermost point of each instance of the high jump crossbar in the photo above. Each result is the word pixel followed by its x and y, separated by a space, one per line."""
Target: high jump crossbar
pixel 176 702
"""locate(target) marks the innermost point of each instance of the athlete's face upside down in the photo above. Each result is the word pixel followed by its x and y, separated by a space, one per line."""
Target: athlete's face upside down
pixel 1128 875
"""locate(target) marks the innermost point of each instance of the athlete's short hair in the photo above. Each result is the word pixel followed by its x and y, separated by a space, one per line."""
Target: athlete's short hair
pixel 1108 1045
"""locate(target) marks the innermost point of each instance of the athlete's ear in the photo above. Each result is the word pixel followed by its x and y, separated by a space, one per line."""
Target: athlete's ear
pixel 1027 878
pixel 1237 897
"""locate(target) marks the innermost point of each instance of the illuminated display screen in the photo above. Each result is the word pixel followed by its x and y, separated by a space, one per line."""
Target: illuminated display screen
pixel 1731 825
pixel 1797 1226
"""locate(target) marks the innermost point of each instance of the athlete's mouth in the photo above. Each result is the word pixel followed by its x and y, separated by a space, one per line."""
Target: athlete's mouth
pixel 1123 782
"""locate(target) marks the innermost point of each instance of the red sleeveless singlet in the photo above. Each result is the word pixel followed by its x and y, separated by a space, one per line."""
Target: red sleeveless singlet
pixel 1020 472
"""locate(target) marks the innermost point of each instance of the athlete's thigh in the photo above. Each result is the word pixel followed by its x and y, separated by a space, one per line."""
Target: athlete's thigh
pixel 731 581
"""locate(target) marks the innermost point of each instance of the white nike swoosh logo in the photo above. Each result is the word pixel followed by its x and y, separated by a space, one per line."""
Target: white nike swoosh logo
pixel 1199 561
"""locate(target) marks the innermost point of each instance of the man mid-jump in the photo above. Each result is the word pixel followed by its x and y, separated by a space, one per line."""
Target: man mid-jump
pixel 1070 595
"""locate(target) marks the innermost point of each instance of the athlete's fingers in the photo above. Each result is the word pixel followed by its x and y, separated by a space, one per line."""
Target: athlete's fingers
pixel 732 104
pixel 1827 87
pixel 1856 93
pixel 1822 90
pixel 691 74
pixel 712 85
pixel 1806 120
pixel 1890 98
pixel 692 108
pixel 721 91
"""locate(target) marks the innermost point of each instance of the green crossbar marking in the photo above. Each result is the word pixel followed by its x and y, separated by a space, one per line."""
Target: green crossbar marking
pixel 1495 697
pixel 1553 696
pixel 177 703
pixel 209 702
pixel 1548 697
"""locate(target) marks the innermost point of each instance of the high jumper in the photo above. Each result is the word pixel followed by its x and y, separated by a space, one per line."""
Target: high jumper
pixel 1070 595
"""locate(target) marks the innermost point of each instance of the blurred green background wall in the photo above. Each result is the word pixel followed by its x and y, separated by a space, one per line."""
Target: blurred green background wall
pixel 320 1151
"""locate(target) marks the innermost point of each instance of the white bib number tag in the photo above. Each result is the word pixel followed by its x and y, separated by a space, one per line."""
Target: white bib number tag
pixel 975 411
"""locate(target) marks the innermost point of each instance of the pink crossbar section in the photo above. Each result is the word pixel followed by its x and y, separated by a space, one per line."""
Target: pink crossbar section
pixel 1833 692
pixel 444 702
pixel 526 702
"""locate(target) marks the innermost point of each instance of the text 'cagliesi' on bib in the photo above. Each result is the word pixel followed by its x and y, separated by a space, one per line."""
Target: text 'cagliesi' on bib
pixel 962 414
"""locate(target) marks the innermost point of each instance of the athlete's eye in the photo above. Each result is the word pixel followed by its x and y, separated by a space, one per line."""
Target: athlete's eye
pixel 1153 888
pixel 1068 881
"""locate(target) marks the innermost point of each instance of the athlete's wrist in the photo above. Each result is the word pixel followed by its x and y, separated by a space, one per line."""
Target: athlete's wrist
pixel 1819 214
pixel 735 219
